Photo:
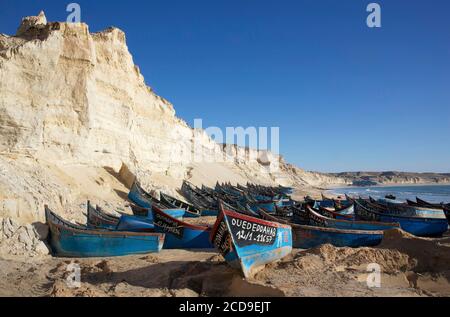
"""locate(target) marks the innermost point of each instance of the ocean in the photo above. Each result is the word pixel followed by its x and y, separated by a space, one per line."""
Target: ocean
pixel 431 193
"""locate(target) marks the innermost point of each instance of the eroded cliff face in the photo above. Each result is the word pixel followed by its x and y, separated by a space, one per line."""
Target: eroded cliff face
pixel 74 109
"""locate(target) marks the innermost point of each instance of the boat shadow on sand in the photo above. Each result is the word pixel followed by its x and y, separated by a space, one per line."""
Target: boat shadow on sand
pixel 203 278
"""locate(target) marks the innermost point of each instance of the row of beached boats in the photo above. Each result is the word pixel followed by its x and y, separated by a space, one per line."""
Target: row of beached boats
pixel 255 224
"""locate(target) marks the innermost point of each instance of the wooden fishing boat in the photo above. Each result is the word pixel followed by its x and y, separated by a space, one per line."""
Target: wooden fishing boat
pixel 228 191
pixel 418 226
pixel 269 206
pixel 325 202
pixel 191 211
pixel 317 219
pixel 141 211
pixel 443 206
pixel 422 203
pixel 305 236
pixel 197 197
pixel 147 213
pixel 242 208
pixel 70 240
pixel 179 234
pixel 143 199
pixel 346 213
pixel 285 190
pixel 407 210
pixel 135 224
pixel 96 219
pixel 248 243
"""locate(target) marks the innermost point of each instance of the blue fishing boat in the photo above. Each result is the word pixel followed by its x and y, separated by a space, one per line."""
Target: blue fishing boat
pixel 408 210
pixel 249 243
pixel 144 201
pixel 191 211
pixel 346 213
pixel 422 203
pixel 268 206
pixel 96 219
pixel 418 226
pixel 141 211
pixel 147 213
pixel 198 197
pixel 305 236
pixel 179 234
pixel 285 190
pixel 209 213
pixel 135 224
pixel 228 190
pixel 70 240
pixel 140 197
pixel 316 219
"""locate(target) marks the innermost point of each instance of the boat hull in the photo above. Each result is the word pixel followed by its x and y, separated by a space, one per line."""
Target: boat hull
pixel 319 220
pixel 306 237
pixel 95 244
pixel 97 220
pixel 181 235
pixel 249 243
pixel 135 224
pixel 68 240
pixel 418 226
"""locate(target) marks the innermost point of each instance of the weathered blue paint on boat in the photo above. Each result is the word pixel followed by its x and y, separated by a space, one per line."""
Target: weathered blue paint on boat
pixel 144 203
pixel 286 203
pixel 70 240
pixel 248 243
pixel 412 211
pixel 286 190
pixel 147 213
pixel 268 206
pixel 317 219
pixel 418 226
pixel 179 234
pixel 325 203
pixel 138 196
pixel 347 211
pixel 190 210
pixel 135 224
pixel 198 197
pixel 342 214
pixel 305 237
pixel 209 213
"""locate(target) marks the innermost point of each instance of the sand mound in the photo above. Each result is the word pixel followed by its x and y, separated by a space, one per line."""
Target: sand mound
pixel 430 255
pixel 408 266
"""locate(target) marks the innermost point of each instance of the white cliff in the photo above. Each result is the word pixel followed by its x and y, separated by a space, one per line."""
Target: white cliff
pixel 75 109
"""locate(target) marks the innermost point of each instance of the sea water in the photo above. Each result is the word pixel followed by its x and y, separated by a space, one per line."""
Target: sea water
pixel 430 193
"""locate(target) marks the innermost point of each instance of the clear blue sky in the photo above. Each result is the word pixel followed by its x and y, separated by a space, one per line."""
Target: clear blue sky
pixel 345 97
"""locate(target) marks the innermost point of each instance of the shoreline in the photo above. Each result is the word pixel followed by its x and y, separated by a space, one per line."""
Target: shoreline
pixel 387 185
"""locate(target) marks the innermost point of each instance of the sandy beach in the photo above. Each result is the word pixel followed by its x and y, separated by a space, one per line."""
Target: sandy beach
pixel 410 266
